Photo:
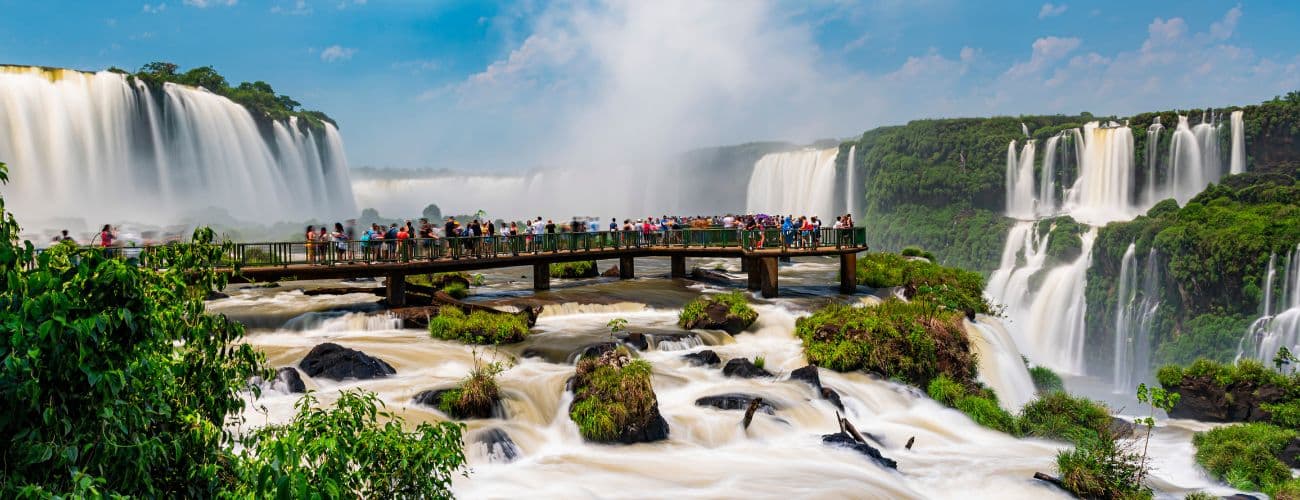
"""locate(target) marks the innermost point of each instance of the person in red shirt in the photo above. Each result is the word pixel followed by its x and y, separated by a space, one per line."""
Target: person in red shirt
pixel 402 236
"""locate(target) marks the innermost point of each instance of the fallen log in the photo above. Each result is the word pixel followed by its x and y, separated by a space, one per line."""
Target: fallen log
pixel 1055 481
pixel 754 404
pixel 909 442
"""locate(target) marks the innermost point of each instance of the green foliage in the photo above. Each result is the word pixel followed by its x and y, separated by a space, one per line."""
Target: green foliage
pixel 478 327
pixel 1208 336
pixel 1102 469
pixel 910 341
pixel 476 394
pixel 918 252
pixel 737 306
pixel 345 452
pixel 1058 415
pixel 1245 455
pixel 760 362
pixel 457 290
pixel 1244 371
pixel 954 288
pixel 962 236
pixel 611 395
pixel 573 270
pixel 1046 381
pixel 980 405
pixel 258 97
pixel 1064 240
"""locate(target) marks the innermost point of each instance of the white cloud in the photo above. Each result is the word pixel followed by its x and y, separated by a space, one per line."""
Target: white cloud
pixel 1049 10
pixel 203 4
pixel 417 66
pixel 299 8
pixel 337 53
pixel 1221 30
pixel 154 9
pixel 1047 50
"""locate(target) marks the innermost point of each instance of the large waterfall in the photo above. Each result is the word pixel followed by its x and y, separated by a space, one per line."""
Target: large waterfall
pixel 794 183
pixel 103 148
pixel 1279 325
pixel 1045 303
pixel 851 182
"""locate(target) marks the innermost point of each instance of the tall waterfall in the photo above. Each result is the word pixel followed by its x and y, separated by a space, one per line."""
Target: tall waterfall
pixel 1104 191
pixel 1136 307
pixel 1150 195
pixel 851 183
pixel 100 146
pixel 1047 181
pixel 1238 163
pixel 1020 181
pixel 1275 330
pixel 794 183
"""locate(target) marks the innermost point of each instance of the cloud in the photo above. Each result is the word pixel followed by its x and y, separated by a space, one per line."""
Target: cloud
pixel 154 9
pixel 1222 29
pixel 856 43
pixel 337 53
pixel 1050 10
pixel 1046 51
pixel 299 8
pixel 203 4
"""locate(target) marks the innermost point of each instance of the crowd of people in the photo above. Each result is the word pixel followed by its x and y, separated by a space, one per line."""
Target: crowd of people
pixel 484 237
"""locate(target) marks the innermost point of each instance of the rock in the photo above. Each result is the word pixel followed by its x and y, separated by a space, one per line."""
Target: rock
pixel 832 396
pixel 1291 454
pixel 703 358
pixel 743 368
pixel 710 275
pixel 593 350
pixel 500 448
pixel 434 398
pixel 638 341
pixel 717 316
pixel 736 401
pixel 333 361
pixel 808 374
pixel 844 440
pixel 342 290
pixel 288 381
pixel 217 295
pixel 430 397
pixel 1121 428
pixel 412 317
pixel 612 272
pixel 636 418
pixel 1204 399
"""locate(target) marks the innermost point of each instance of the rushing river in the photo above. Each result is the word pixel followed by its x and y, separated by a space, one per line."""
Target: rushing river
pixel 708 453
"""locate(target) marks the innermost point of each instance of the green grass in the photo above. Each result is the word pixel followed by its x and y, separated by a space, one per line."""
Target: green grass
pixel 918 252
pixel 455 284
pixel 760 362
pixel 1102 469
pixel 1246 370
pixel 981 404
pixel 573 270
pixel 737 305
pixel 478 327
pixel 475 395
pixel 1245 455
pixel 1046 381
pixel 950 287
pixel 1057 415
pixel 456 290
pixel 608 399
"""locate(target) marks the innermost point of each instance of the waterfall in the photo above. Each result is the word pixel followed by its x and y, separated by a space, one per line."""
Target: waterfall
pixel 1047 181
pixel 101 146
pixel 1020 184
pixel 1238 164
pixel 1187 162
pixel 1151 194
pixel 1024 129
pixel 794 183
pixel 1000 365
pixel 1104 190
pixel 1135 310
pixel 851 183
pixel 1273 331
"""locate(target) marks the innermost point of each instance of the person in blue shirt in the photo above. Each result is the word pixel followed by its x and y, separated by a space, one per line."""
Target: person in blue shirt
pixel 787 230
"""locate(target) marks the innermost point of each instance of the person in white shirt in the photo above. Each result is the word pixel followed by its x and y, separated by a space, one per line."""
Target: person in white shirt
pixel 728 222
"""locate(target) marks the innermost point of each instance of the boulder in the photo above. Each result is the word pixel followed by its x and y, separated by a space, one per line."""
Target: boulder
pixel 832 396
pixel 593 350
pixel 500 448
pixel 637 340
pixel 1206 400
pixel 743 368
pixel 629 401
pixel 717 316
pixel 433 398
pixel 1291 454
pixel 808 374
pixel 412 317
pixel 216 295
pixel 333 361
pixel 288 381
pixel 844 440
pixel 703 358
pixel 1121 428
pixel 736 401
pixel 612 272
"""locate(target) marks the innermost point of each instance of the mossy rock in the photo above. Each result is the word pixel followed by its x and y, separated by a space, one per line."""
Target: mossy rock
pixel 574 270
pixel 614 401
pixel 478 327
pixel 729 312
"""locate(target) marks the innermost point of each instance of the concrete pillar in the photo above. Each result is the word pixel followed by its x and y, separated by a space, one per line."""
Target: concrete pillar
pixel 679 266
pixel 746 264
pixel 768 266
pixel 626 268
pixel 395 290
pixel 849 273
pixel 541 277
pixel 750 264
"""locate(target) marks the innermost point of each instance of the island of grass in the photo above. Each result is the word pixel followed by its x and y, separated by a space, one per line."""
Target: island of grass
pixel 455 284
pixel 574 270
pixel 478 327
pixel 1243 392
pixel 954 288
pixel 1251 457
pixel 614 401
pixel 729 312
pixel 477 396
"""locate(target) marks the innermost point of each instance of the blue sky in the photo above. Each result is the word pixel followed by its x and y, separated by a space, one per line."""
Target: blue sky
pixel 489 86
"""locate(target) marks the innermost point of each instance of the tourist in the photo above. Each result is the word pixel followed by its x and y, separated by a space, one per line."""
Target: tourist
pixel 310 244
pixel 341 241
pixel 390 241
pixel 323 244
pixel 366 254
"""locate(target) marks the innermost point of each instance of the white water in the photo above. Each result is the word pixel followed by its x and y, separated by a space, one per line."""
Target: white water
pixel 97 147
pixel 1238 162
pixel 851 187
pixel 1047 182
pixel 1000 365
pixel 1020 181
pixel 1136 306
pixel 794 183
pixel 1150 194
pixel 1104 191
pixel 1194 159
pixel 1273 331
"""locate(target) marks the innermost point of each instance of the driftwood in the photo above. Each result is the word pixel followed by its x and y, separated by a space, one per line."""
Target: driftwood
pixel 846 426
pixel 1055 481
pixel 909 442
pixel 753 407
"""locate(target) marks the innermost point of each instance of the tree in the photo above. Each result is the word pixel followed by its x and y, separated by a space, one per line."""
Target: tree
pixel 206 77
pixel 432 212
pixel 160 69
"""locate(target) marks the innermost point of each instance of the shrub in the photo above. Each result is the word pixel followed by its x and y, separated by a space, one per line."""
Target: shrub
pixel 1102 469
pixel 918 252
pixel 695 312
pixel 1057 415
pixel 345 452
pixel 478 327
pixel 760 362
pixel 912 341
pixel 956 289
pixel 574 270
pixel 1245 455
pixel 476 396
pixel 456 290
pixel 980 405
pixel 1046 381
pixel 613 395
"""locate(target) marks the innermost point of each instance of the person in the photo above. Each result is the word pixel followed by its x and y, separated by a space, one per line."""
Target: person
pixel 310 244
pixel 816 231
pixel 341 241
pixel 426 237
pixel 390 241
pixel 787 231
pixel 64 238
pixel 365 244
pixel 728 222
pixel 323 248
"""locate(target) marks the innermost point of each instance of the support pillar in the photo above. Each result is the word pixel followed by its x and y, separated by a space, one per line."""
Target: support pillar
pixel 541 277
pixel 849 273
pixel 626 268
pixel 768 266
pixel 750 265
pixel 395 290
pixel 679 266
pixel 746 264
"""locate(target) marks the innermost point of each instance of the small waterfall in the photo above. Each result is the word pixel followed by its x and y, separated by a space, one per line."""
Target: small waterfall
pixel 1020 181
pixel 1186 161
pixel 1273 331
pixel 1207 136
pixel 1000 365
pixel 102 146
pixel 1024 129
pixel 1238 163
pixel 794 183
pixel 1104 191
pixel 1135 310
pixel 1151 194
pixel 1047 181
pixel 851 183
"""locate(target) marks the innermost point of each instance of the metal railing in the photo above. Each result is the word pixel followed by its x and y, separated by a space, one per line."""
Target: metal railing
pixel 329 253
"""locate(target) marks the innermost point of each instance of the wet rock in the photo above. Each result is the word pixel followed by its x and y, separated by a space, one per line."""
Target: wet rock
pixel 833 397
pixel 703 358
pixel 809 375
pixel 433 398
pixel 628 402
pixel 1291 454
pixel 430 397
pixel 637 340
pixel 717 316
pixel 1121 428
pixel 844 440
pixel 333 361
pixel 288 381
pixel 1243 496
pixel 612 272
pixel 743 368
pixel 217 295
pixel 341 290
pixel 1205 399
pixel 736 401
pixel 412 317
pixel 500 448
pixel 593 350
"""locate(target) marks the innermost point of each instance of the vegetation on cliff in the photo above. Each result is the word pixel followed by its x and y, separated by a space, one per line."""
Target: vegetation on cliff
pixel 1249 457
pixel 258 97
pixel 950 287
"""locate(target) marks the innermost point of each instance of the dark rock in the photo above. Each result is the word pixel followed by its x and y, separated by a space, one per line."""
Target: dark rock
pixel 433 398
pixel 430 397
pixel 703 358
pixel 1204 399
pixel 1121 428
pixel 832 396
pixel 341 290
pixel 640 421
pixel 656 431
pixel 1291 454
pixel 743 368
pixel 736 401
pixel 843 439
pixel 638 341
pixel 710 275
pixel 1243 496
pixel 500 448
pixel 412 317
pixel 808 374
pixel 217 295
pixel 333 361
pixel 288 381
pixel 612 272
pixel 717 316
pixel 593 350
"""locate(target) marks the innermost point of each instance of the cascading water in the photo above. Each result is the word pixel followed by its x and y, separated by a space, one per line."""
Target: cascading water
pixel 794 183
pixel 1047 181
pixel 1000 365
pixel 1020 184
pixel 99 145
pixel 1273 331
pixel 1104 191
pixel 1238 162
pixel 1136 306
pixel 1150 193
pixel 851 183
